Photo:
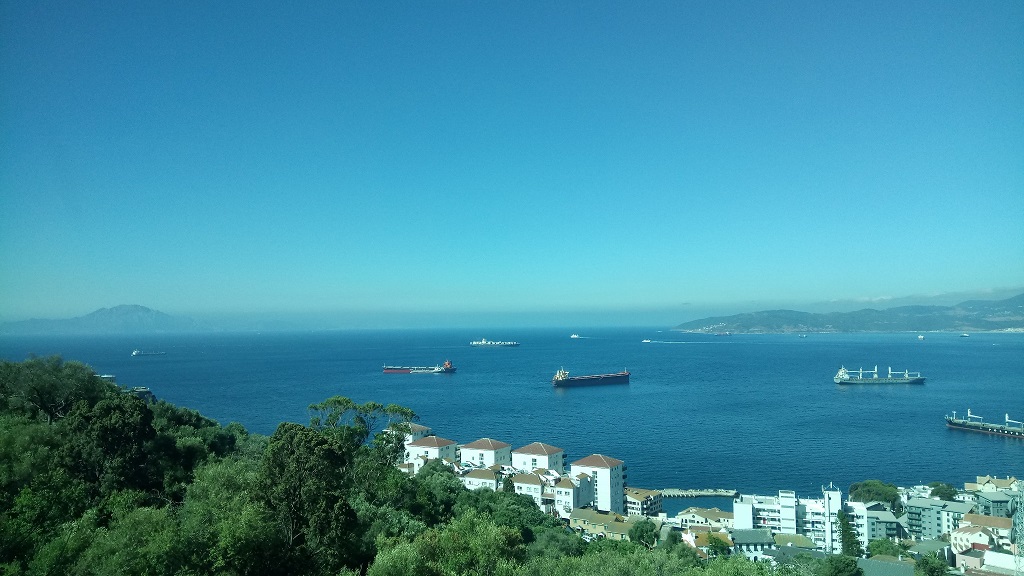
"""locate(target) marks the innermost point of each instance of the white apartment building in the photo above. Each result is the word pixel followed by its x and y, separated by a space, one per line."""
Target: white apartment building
pixel 815 518
pixel 482 478
pixel 419 452
pixel 486 452
pixel 609 481
pixel 539 455
pixel 533 486
pixel 571 493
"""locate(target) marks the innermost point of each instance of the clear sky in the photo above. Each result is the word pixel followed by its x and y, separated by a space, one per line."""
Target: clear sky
pixel 506 160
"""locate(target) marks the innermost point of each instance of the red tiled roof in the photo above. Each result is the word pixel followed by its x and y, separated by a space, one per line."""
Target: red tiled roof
pixel 538 448
pixel 431 442
pixel 487 444
pixel 598 461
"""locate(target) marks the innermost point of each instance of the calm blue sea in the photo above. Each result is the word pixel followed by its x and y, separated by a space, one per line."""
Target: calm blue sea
pixel 755 413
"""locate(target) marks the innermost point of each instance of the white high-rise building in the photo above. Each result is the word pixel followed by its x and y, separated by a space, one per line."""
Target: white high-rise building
pixel 608 476
pixel 815 518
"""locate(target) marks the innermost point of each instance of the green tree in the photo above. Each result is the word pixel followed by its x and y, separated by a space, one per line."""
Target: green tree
pixel 644 533
pixel 931 565
pixel 848 537
pixel 841 565
pixel 304 482
pixel 717 547
pixel 48 388
pixel 943 491
pixel 884 547
pixel 876 491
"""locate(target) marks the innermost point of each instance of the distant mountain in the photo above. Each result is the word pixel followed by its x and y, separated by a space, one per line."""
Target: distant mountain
pixel 971 316
pixel 124 319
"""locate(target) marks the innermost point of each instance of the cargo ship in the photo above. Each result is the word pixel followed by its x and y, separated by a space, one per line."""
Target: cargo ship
pixel 486 342
pixel 445 368
pixel 976 423
pixel 563 380
pixel 862 376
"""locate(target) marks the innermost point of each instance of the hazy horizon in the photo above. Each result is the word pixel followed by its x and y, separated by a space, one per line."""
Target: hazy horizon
pixel 483 319
pixel 527 162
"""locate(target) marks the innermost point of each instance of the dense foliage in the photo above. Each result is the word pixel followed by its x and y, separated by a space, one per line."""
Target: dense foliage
pixel 93 480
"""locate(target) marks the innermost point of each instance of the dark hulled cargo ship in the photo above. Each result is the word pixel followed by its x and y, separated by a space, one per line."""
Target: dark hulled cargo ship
pixel 445 368
pixel 975 423
pixel 563 380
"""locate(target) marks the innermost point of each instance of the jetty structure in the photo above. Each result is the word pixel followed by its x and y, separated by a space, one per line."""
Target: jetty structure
pixel 698 493
pixel 975 423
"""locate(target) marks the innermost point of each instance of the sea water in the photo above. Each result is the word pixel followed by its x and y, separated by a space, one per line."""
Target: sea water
pixel 755 413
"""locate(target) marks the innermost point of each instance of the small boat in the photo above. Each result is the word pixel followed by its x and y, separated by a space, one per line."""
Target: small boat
pixel 920 336
pixel 646 340
pixel 965 335
pixel 563 380
pixel 574 335
pixel 445 368
pixel 138 352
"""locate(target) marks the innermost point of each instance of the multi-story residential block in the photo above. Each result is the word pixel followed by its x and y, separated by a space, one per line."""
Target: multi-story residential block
pixel 929 519
pixel 572 493
pixel 486 452
pixel 874 521
pixel 482 478
pixel 609 481
pixel 1000 527
pixel 816 518
pixel 539 455
pixel 416 431
pixel 533 486
pixel 419 452
pixel 640 502
pixel 966 538
pixel 994 503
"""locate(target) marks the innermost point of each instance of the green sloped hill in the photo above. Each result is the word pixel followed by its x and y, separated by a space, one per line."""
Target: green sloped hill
pixel 971 316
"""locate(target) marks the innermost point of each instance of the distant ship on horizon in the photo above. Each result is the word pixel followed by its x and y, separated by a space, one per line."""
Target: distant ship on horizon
pixel 486 342
pixel 138 352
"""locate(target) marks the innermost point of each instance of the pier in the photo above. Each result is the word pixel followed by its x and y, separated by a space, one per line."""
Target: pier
pixel 697 493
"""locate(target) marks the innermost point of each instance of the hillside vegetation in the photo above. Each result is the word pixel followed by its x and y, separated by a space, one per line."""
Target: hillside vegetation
pixel 93 480
pixel 972 316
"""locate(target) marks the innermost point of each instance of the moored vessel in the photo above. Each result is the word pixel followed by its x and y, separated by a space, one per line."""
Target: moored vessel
pixel 486 342
pixel 862 376
pixel 975 423
pixel 563 380
pixel 445 368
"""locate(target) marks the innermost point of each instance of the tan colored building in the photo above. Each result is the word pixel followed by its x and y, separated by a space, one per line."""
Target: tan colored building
pixel 594 523
pixel 640 502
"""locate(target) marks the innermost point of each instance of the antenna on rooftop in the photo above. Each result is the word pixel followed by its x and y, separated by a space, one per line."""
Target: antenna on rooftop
pixel 1018 532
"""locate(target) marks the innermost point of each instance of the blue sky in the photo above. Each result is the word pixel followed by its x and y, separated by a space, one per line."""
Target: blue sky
pixel 503 161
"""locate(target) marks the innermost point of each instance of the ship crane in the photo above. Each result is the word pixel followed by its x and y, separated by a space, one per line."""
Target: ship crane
pixel 969 416
pixel 1008 422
